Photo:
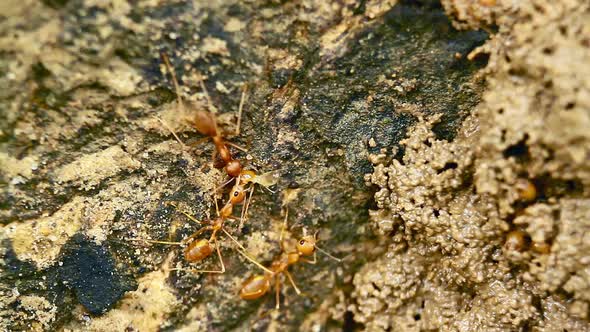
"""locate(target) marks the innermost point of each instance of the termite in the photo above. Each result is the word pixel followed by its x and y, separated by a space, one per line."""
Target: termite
pixel 245 184
pixel 258 285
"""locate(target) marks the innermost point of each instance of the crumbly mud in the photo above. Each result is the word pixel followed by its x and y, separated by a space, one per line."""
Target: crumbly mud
pixel 489 232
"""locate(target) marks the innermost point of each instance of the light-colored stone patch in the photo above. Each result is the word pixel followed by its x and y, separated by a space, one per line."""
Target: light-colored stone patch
pixel 89 170
pixel 115 73
pixel 215 46
pixel 37 310
pixel 233 25
pixel 197 319
pixel 11 168
pixel 40 240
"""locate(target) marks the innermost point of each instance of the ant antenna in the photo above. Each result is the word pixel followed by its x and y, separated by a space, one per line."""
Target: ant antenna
pixel 210 104
pixel 174 80
pixel 170 130
pixel 173 243
pixel 242 100
pixel 191 218
pixel 315 236
pixel 328 254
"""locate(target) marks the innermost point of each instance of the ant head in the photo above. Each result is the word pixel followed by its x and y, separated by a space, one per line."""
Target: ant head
pixel 237 195
pixel 306 245
pixel 233 168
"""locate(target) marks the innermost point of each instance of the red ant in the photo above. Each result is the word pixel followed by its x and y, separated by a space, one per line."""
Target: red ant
pixel 206 124
pixel 258 285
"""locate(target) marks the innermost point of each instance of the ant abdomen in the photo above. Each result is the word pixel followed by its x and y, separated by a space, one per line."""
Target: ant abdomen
pixel 255 287
pixel 205 124
pixel 198 250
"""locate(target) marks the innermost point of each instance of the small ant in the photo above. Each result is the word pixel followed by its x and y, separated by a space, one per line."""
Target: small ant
pixel 244 184
pixel 206 124
pixel 258 285
pixel 198 250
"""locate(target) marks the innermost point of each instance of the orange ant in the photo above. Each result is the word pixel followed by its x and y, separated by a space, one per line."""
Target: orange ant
pixel 258 285
pixel 244 184
pixel 198 250
pixel 206 124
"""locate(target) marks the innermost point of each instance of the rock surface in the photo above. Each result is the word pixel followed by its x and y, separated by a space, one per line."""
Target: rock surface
pixel 88 162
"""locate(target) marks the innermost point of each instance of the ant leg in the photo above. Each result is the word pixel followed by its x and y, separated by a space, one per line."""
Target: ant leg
pixel 156 241
pixel 199 141
pixel 245 209
pixel 236 146
pixel 213 157
pixel 233 239
pixel 315 256
pixel 269 190
pixel 186 214
pixel 240 108
pixel 209 271
pixel 244 253
pixel 292 282
pixel 170 130
pixel 216 204
pixel 174 80
pixel 197 233
pixel 277 294
pixel 283 230
pixel 207 96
